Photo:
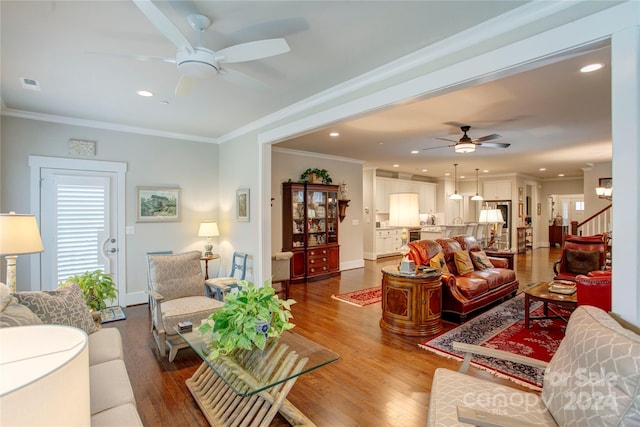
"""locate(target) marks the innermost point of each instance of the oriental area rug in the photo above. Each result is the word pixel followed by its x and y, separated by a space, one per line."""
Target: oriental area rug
pixel 503 328
pixel 361 297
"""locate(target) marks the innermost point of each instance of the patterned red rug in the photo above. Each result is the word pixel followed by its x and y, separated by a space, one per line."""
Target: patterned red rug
pixel 361 297
pixel 503 328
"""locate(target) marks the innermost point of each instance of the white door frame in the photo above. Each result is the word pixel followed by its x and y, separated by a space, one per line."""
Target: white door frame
pixel 36 163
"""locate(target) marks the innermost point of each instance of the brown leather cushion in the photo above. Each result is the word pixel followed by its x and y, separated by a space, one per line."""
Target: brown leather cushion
pixel 494 277
pixel 449 247
pixel 468 243
pixel 471 287
pixel 582 262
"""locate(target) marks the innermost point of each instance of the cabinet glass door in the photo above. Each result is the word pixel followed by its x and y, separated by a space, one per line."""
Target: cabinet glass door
pixel 297 210
pixel 332 217
pixel 316 218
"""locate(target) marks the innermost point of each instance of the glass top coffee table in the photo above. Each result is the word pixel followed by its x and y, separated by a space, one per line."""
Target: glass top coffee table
pixel 249 387
pixel 541 292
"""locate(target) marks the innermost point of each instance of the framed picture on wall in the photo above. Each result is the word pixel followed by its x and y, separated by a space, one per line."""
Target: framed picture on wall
pixel 242 204
pixel 605 182
pixel 158 204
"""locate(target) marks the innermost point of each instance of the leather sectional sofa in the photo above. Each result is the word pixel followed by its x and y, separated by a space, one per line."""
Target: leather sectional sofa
pixel 463 294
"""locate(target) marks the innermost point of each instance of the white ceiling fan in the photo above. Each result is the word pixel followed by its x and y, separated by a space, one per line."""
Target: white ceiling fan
pixel 197 62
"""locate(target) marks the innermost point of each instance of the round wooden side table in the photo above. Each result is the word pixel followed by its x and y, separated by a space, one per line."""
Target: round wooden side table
pixel 411 303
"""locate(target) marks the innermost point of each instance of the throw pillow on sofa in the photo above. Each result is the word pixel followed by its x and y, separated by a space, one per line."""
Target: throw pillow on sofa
pixel 13 313
pixel 463 262
pixel 480 260
pixel 439 263
pixel 62 306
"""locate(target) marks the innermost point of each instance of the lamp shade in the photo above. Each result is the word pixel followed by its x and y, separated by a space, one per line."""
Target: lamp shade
pixel 465 147
pixel 490 216
pixel 208 229
pixel 404 210
pixel 19 234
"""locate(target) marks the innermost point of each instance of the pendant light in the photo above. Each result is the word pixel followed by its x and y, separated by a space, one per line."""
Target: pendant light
pixel 455 195
pixel 477 197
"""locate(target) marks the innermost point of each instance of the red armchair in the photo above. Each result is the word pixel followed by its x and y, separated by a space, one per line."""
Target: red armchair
pixel 594 289
pixel 580 255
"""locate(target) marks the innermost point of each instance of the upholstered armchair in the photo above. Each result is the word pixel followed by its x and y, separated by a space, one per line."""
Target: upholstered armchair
pixel 594 289
pixel 580 255
pixel 177 291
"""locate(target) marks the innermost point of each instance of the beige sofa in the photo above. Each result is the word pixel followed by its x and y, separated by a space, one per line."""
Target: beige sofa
pixel 592 379
pixel 111 396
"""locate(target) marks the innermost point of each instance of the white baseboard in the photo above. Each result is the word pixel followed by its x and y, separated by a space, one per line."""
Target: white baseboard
pixel 135 298
pixel 351 265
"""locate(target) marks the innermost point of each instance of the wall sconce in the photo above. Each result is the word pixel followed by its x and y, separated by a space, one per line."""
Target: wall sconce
pixel 604 190
pixel 342 208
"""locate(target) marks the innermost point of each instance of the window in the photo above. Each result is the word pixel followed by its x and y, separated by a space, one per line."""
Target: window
pixel 580 206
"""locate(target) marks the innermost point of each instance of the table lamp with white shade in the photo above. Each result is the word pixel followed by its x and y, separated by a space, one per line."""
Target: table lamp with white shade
pixel 19 235
pixel 492 217
pixel 404 211
pixel 208 229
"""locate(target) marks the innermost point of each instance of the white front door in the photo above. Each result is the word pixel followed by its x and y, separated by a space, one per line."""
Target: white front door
pixel 80 222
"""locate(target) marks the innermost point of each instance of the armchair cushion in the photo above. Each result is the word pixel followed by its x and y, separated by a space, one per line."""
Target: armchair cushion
pixel 176 276
pixel 193 309
pixel 582 262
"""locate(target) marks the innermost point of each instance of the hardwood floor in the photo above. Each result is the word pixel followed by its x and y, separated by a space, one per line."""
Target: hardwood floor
pixel 381 379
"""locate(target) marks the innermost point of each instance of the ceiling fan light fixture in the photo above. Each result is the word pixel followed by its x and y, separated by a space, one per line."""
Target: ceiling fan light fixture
pixel 465 147
pixel 198 64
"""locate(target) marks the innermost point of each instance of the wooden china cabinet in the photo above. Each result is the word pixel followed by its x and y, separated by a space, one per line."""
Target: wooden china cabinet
pixel 310 230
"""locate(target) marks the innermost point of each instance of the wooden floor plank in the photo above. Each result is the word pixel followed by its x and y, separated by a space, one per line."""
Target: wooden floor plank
pixel 381 379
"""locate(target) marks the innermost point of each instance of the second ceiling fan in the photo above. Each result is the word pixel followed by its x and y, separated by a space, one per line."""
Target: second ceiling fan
pixel 468 145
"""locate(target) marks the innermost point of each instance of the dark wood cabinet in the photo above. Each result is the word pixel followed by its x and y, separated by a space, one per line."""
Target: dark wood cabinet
pixel 411 303
pixel 310 230
pixel 556 234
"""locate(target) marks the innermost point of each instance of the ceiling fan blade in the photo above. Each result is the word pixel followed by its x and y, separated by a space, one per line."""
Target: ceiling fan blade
pixel 185 84
pixel 136 57
pixel 164 24
pixel 487 137
pixel 252 50
pixel 440 146
pixel 243 80
pixel 493 144
pixel 445 139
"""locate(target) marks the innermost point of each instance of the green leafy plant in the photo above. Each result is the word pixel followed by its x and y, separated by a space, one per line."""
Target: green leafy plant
pixel 97 287
pixel 322 173
pixel 247 319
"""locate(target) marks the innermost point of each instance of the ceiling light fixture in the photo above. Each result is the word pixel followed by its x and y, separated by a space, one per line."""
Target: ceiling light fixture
pixel 465 147
pixel 455 195
pixel 145 93
pixel 396 165
pixel 334 134
pixel 414 151
pixel 591 67
pixel 477 197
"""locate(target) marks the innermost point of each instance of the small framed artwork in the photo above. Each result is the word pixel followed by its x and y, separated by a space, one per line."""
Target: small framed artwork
pixel 158 204
pixel 539 209
pixel 242 204
pixel 520 209
pixel 520 191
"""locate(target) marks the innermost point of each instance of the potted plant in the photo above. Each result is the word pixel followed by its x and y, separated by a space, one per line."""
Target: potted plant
pixel 97 288
pixel 315 176
pixel 248 318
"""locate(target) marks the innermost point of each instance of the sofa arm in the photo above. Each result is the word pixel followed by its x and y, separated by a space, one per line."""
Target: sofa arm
pixel 481 418
pixel 470 350
pixel 499 262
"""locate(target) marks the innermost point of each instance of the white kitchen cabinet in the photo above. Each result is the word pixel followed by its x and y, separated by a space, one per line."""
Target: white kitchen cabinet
pixel 427 197
pixel 387 186
pixel 497 190
pixel 388 241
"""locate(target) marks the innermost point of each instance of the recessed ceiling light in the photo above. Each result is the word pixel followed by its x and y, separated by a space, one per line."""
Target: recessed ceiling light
pixel 485 171
pixel 334 134
pixel 462 176
pixel 396 165
pixel 425 170
pixel 414 151
pixel 543 169
pixel 560 174
pixel 145 93
pixel 591 67
pixel 447 174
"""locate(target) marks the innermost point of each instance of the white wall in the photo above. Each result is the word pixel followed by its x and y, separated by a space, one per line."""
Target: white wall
pixel 151 161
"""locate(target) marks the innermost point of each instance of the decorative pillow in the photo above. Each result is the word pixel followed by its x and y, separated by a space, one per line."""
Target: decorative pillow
pixel 16 314
pixel 5 296
pixel 582 262
pixel 62 306
pixel 439 263
pixel 480 260
pixel 463 262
